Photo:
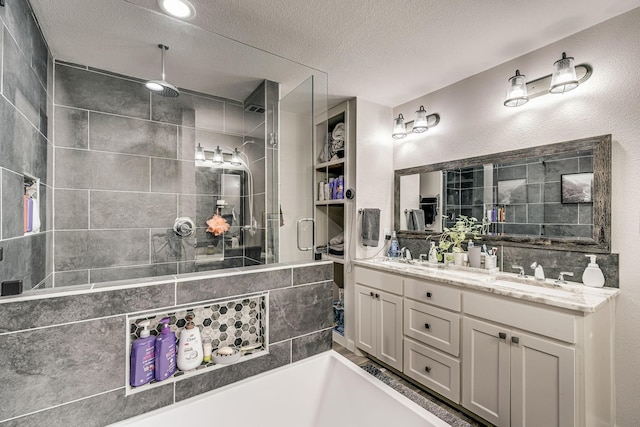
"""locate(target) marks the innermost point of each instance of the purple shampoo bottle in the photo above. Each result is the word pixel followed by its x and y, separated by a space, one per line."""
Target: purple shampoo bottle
pixel 142 357
pixel 165 352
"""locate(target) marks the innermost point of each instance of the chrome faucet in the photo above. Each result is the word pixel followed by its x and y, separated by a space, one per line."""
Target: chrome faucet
pixel 561 280
pixel 538 272
pixel 521 272
pixel 405 254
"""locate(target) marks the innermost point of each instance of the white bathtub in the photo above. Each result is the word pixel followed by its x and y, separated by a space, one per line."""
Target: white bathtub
pixel 322 391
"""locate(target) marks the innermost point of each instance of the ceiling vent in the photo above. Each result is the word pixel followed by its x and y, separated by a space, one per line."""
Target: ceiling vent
pixel 253 108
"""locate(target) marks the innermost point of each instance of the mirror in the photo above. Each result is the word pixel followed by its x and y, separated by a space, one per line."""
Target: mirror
pixel 555 196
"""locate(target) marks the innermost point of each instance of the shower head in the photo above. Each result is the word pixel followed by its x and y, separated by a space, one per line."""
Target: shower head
pixel 162 87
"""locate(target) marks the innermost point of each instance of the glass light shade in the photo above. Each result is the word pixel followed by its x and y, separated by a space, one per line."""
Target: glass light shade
pixel 517 91
pixel 420 122
pixel 179 8
pixel 235 158
pixel 399 130
pixel 217 156
pixel 199 152
pixel 564 76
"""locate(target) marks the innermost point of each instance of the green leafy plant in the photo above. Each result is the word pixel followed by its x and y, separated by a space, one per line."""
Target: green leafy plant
pixel 451 239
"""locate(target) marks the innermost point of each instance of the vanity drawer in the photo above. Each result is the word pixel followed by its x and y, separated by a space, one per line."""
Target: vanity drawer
pixel 543 321
pixel 379 280
pixel 432 293
pixel 432 326
pixel 437 371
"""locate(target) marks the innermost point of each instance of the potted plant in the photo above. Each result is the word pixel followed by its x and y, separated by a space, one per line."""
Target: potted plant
pixel 451 239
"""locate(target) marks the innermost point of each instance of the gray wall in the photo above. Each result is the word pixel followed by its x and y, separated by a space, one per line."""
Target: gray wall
pixel 65 356
pixel 125 170
pixel 25 107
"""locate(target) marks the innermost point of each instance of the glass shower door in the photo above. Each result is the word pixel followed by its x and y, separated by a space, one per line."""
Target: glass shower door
pixel 296 192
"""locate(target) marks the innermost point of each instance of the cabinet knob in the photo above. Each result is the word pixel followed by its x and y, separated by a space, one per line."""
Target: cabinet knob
pixel 427 369
pixel 502 335
pixel 515 340
pixel 371 293
pixel 428 294
pixel 378 296
pixel 427 326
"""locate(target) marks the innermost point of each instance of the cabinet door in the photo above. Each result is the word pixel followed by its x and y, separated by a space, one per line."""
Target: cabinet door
pixel 365 319
pixel 389 329
pixel 485 371
pixel 542 382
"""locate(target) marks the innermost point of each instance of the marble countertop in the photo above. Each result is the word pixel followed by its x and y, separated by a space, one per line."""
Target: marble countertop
pixel 570 296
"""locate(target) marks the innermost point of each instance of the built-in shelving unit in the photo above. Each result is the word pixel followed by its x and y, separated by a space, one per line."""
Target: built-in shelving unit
pixel 335 158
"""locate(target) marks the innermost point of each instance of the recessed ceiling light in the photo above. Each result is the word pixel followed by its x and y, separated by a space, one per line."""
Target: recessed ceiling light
pixel 181 9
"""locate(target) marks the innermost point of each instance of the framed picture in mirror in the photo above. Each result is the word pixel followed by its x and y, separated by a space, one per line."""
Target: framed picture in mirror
pixel 577 188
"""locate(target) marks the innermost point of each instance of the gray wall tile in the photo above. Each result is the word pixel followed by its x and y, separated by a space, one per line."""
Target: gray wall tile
pixel 233 118
pixel 166 246
pixel 315 273
pixel 79 169
pixel 220 287
pixel 95 91
pixel 279 355
pixel 300 310
pixel 585 213
pixel 100 410
pixel 132 136
pixel 77 250
pixel 63 308
pixel 553 169
pixel 71 278
pixel 132 210
pixel 560 213
pixel 172 176
pixel 310 345
pixel 72 209
pixel 186 143
pixel 19 142
pixel 181 111
pixel 12 204
pixel 35 152
pixel 72 127
pixel 137 272
pixel 25 258
pixel 52 359
pixel 21 85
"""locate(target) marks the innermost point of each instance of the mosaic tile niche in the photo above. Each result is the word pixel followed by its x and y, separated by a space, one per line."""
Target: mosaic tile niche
pixel 238 322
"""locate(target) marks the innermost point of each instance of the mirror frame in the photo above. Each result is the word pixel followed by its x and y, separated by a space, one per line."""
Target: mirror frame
pixel 601 240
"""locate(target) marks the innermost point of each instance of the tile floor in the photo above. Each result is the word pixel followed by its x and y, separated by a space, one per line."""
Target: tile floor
pixel 360 361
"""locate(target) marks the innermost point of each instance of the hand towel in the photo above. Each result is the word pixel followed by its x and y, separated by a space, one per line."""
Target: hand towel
pixel 410 220
pixel 370 227
pixel 418 219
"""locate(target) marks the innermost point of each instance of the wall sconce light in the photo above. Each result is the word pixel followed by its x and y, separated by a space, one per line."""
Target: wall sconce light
pixel 199 152
pixel 235 158
pixel 565 77
pixel 420 124
pixel 217 156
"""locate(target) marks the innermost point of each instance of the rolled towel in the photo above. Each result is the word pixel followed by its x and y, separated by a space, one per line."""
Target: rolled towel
pixel 337 239
pixel 370 227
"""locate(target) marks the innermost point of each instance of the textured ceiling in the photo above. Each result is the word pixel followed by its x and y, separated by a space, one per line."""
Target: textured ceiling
pixel 387 52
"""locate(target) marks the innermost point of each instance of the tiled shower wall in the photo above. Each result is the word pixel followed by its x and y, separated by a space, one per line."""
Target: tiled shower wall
pixel 124 170
pixel 66 357
pixel 25 107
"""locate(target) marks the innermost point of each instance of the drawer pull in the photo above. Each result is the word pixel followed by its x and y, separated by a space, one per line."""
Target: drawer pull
pixel 378 296
pixel 428 294
pixel 515 340
pixel 427 369
pixel 371 293
pixel 502 335
pixel 427 326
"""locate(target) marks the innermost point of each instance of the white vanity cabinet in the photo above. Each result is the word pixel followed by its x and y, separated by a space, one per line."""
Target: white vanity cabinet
pixel 529 365
pixel 379 315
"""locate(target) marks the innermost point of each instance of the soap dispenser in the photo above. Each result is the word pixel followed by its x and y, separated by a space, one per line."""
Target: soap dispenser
pixel 592 275
pixel 433 253
pixel 394 247
pixel 165 352
pixel 190 353
pixel 142 356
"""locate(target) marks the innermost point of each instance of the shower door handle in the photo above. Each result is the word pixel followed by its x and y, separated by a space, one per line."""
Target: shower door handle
pixel 300 221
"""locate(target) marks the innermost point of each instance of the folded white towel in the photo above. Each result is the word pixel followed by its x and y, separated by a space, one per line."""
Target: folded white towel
pixel 337 240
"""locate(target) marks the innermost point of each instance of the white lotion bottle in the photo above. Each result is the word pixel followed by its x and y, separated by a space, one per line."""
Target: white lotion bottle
pixel 592 275
pixel 190 352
